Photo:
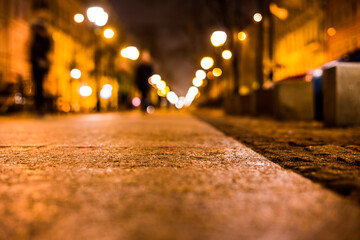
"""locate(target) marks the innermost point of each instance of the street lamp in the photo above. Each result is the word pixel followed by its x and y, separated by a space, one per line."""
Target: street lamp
pixel 207 62
pixel 79 18
pixel 97 15
pixel 257 17
pixel 109 33
pixel 226 54
pixel 200 74
pixel 131 53
pixel 218 38
pixel 241 36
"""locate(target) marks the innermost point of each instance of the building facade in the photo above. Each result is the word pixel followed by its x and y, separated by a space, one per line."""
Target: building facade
pixel 74 46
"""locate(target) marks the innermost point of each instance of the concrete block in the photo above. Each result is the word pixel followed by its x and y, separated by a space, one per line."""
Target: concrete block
pixel 293 100
pixel 341 85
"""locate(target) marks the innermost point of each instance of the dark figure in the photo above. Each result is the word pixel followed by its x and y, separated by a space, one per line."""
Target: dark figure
pixel 40 47
pixel 143 73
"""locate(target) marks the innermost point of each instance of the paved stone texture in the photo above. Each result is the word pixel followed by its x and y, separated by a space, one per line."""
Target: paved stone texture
pixel 329 156
pixel 164 176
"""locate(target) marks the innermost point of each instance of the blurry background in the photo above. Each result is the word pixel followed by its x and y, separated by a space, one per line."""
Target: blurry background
pixel 269 42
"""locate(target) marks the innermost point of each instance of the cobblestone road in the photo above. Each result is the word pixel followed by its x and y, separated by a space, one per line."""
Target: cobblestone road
pixel 164 176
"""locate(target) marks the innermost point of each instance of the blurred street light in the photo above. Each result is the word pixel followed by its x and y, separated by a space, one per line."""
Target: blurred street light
pixel 75 73
pixel 226 54
pixel 106 91
pixel 207 62
pixel 241 36
pixel 131 53
pixel 257 17
pixel 98 16
pixel 79 18
pixel 109 33
pixel 280 13
pixel 85 91
pixel 200 74
pixel 161 85
pixel 197 82
pixel 172 97
pixel 331 32
pixel 136 102
pixel 180 103
pixel 155 79
pixel 217 72
pixel 218 38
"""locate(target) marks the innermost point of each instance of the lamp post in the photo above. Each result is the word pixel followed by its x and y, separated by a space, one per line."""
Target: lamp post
pixel 99 18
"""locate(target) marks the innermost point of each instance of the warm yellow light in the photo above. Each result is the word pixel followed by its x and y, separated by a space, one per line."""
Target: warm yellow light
pixel 85 91
pixel 155 79
pixel 79 18
pixel 75 73
pixel 172 97
pixel 197 82
pixel 109 33
pixel 241 36
pixel 218 38
pixel 210 75
pixel 207 62
pixel 130 53
pixel 161 85
pixel 226 54
pixel 257 17
pixel 281 13
pixel 331 31
pixel 161 93
pixel 200 74
pixel 244 90
pixel 97 15
pixel 217 72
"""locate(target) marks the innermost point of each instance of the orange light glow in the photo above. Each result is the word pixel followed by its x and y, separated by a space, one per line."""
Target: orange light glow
pixel 331 31
pixel 242 36
pixel 79 18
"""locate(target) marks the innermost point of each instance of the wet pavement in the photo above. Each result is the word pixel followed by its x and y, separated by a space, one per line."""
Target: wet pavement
pixel 161 176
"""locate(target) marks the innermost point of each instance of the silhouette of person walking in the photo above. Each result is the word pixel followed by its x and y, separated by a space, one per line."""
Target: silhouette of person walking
pixel 143 72
pixel 39 49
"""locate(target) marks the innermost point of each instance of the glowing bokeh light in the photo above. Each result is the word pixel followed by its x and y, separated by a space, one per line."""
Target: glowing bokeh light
pixel 257 17
pixel 201 74
pixel 180 103
pixel 226 54
pixel 155 79
pixel 218 38
pixel 85 91
pixel 109 33
pixel 210 75
pixel 281 13
pixel 217 72
pixel 207 62
pixel 317 73
pixel 197 82
pixel 150 109
pixel 131 53
pixel 161 85
pixel 172 97
pixel 161 93
pixel 75 73
pixel 136 102
pixel 108 86
pixel 331 32
pixel 105 93
pixel 241 36
pixel 79 18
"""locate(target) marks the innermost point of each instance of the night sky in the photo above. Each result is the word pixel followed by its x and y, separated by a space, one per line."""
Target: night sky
pixel 176 32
